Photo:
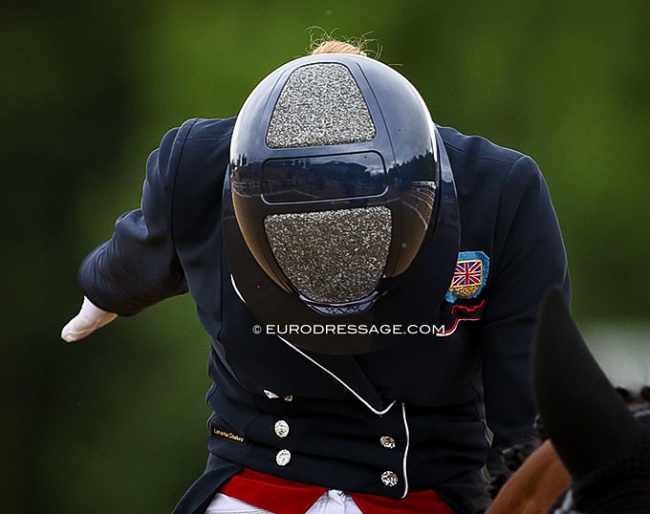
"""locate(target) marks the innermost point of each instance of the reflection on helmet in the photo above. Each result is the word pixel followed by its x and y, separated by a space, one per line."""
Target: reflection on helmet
pixel 334 182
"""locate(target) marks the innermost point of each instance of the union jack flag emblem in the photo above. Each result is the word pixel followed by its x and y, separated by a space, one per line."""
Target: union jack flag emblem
pixel 468 273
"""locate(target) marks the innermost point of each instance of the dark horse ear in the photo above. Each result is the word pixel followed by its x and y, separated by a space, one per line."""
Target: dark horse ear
pixel 584 416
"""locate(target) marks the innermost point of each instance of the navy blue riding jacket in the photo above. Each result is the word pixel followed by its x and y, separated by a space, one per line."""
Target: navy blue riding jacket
pixel 417 415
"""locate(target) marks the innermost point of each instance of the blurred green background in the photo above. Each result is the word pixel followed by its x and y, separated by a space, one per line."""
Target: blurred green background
pixel 88 88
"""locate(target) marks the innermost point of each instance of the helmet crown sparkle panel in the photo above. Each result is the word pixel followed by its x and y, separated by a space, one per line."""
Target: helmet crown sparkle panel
pixel 320 104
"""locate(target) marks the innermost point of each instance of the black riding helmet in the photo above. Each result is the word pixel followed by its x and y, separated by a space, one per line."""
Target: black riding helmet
pixel 339 189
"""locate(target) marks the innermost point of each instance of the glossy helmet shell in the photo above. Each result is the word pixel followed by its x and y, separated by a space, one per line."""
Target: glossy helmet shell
pixel 338 179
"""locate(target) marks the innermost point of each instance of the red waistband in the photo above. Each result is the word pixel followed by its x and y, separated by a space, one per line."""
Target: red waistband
pixel 284 496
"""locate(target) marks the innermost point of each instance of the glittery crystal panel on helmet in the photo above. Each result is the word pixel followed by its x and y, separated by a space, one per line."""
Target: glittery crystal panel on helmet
pixel 320 104
pixel 332 256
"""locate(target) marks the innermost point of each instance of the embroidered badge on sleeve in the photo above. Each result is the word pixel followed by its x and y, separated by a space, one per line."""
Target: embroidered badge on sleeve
pixel 470 276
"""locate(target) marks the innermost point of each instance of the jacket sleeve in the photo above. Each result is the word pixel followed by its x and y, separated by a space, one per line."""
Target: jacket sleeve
pixel 529 257
pixel 138 266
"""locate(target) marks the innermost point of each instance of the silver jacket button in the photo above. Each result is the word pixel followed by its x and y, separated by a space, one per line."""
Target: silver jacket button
pixel 283 457
pixel 389 479
pixel 387 442
pixel 281 428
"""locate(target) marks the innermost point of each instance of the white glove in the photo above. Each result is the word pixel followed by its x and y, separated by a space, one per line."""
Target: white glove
pixel 89 319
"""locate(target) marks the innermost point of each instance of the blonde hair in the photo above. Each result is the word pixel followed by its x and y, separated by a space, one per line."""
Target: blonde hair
pixel 322 42
pixel 338 47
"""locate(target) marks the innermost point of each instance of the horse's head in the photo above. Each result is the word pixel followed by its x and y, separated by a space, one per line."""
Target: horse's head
pixel 605 448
